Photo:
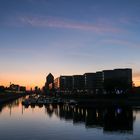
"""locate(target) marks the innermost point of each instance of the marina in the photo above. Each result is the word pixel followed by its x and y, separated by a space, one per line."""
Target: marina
pixel 43 100
pixel 65 121
pixel 69 69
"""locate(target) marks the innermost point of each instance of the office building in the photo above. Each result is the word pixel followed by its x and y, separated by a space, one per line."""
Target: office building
pixel 90 82
pixel 49 80
pixel 63 83
pixel 117 80
pixel 78 83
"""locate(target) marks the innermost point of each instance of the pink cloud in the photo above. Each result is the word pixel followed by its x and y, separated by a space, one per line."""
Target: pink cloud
pixel 61 23
pixel 120 43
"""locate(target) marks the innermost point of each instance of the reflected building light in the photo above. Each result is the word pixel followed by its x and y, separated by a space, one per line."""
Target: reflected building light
pixel 45 110
pixel 119 110
pixel 58 108
pixel 10 110
pixel 82 111
pixel 115 114
pixel 51 107
pixel 78 110
pixel 22 110
pixel 86 113
pixel 97 114
pixel 32 110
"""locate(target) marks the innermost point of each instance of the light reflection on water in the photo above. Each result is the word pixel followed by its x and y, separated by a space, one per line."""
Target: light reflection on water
pixel 68 123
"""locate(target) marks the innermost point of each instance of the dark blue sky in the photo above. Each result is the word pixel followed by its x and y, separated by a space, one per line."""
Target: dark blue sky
pixel 67 37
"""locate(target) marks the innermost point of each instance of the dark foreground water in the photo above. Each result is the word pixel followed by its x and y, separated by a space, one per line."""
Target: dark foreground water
pixel 68 123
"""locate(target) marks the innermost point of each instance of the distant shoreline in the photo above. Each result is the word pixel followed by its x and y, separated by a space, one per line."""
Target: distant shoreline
pixel 83 100
pixel 7 97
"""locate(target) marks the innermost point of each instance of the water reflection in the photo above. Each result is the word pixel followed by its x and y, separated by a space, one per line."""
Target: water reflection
pixel 10 105
pixel 110 119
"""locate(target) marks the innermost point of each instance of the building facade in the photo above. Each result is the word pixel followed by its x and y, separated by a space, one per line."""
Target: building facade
pixel 90 82
pixel 49 81
pixel 78 83
pixel 101 82
pixel 117 80
pixel 63 83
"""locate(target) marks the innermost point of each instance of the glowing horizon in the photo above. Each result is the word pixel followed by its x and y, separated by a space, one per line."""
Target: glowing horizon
pixel 40 81
pixel 67 37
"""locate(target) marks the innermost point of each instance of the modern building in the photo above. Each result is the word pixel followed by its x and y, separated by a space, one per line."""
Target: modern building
pixel 78 83
pixel 99 82
pixel 117 80
pixel 57 84
pixel 63 83
pixel 90 82
pixel 49 80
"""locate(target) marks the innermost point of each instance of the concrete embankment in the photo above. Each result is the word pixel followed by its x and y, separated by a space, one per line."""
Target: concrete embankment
pixel 105 101
pixel 7 97
pixel 108 102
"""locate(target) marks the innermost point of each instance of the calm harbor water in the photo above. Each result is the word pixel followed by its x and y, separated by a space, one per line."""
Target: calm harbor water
pixel 68 123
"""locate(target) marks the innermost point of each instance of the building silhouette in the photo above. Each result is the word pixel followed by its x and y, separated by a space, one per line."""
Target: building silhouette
pixel 78 83
pixel 49 85
pixel 117 81
pixel 63 83
pixel 90 82
pixel 110 119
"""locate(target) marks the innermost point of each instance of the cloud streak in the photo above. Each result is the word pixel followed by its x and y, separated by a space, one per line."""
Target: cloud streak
pixel 120 42
pixel 66 24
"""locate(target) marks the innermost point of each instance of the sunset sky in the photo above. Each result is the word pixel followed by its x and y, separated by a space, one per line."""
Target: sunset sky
pixel 67 37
